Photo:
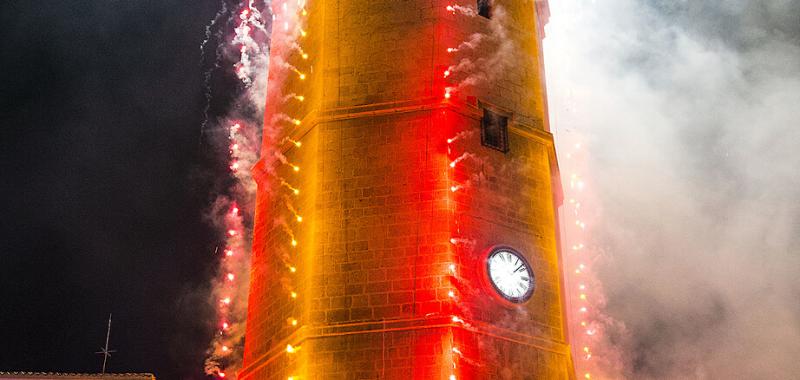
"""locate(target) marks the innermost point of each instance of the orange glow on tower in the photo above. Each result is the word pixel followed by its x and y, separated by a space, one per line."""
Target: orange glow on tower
pixel 428 196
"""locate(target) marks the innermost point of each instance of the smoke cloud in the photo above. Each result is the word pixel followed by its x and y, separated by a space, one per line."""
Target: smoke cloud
pixel 242 46
pixel 471 70
pixel 690 113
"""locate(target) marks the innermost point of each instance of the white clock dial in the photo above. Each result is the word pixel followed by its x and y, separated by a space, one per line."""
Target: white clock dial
pixel 510 274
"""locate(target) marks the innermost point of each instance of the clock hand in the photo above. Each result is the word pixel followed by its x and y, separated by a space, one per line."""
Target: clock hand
pixel 518 268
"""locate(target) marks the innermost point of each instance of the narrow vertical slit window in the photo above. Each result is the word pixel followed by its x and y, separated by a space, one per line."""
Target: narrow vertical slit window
pixel 494 131
pixel 484 8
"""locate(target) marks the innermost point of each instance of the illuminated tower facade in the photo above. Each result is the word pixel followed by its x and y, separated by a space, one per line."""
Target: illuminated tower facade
pixel 406 212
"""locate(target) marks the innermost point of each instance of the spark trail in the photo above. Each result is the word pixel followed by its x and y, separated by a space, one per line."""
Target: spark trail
pixel 246 54
pixel 470 71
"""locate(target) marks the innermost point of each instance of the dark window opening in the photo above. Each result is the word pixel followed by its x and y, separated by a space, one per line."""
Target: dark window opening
pixel 484 8
pixel 494 131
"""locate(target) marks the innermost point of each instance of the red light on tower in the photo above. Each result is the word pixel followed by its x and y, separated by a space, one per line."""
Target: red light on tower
pixel 379 161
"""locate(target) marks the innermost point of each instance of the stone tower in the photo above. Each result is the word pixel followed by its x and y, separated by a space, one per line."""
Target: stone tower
pixel 406 162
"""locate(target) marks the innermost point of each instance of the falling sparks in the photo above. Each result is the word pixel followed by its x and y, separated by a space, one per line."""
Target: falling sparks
pixel 466 11
pixel 291 188
pixel 296 143
pixel 285 161
pixel 249 42
pixel 582 283
pixel 460 158
pixel 250 19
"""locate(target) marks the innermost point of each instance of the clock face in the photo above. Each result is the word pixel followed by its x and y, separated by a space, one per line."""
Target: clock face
pixel 510 274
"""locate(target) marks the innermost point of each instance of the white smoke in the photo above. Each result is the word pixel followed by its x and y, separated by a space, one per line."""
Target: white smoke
pixel 690 111
pixel 472 71
pixel 247 53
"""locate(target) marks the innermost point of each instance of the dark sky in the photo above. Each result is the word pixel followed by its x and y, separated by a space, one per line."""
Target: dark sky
pixel 104 184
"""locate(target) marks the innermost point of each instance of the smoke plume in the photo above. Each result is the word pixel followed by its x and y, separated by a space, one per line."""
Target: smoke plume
pixel 242 46
pixel 473 69
pixel 689 113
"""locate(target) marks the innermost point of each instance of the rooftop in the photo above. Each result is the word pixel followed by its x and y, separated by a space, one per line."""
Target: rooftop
pixel 75 376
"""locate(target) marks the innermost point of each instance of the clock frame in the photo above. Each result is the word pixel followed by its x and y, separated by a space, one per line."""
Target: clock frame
pixel 495 290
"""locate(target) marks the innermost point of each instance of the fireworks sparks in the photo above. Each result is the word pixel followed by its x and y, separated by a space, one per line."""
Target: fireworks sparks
pixel 249 41
pixel 290 21
pixel 251 51
pixel 459 9
pixel 460 158
pixel 484 69
pixel 582 282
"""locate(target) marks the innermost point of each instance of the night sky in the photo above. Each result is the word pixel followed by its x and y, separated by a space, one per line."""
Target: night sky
pixel 105 180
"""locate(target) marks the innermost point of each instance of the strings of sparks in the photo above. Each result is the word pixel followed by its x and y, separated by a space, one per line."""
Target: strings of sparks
pixel 457 240
pixel 287 21
pixel 233 282
pixel 291 20
pixel 586 331
pixel 232 255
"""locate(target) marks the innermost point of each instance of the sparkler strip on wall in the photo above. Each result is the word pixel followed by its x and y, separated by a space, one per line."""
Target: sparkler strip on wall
pixel 253 64
pixel 291 15
pixel 229 286
pixel 250 35
pixel 458 243
pixel 585 330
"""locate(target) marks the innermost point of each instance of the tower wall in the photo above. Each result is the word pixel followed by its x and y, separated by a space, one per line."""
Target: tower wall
pixel 388 262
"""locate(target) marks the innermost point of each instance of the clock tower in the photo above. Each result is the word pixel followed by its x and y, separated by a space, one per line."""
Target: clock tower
pixel 405 223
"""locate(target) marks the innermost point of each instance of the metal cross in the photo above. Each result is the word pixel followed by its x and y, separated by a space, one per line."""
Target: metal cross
pixel 104 350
